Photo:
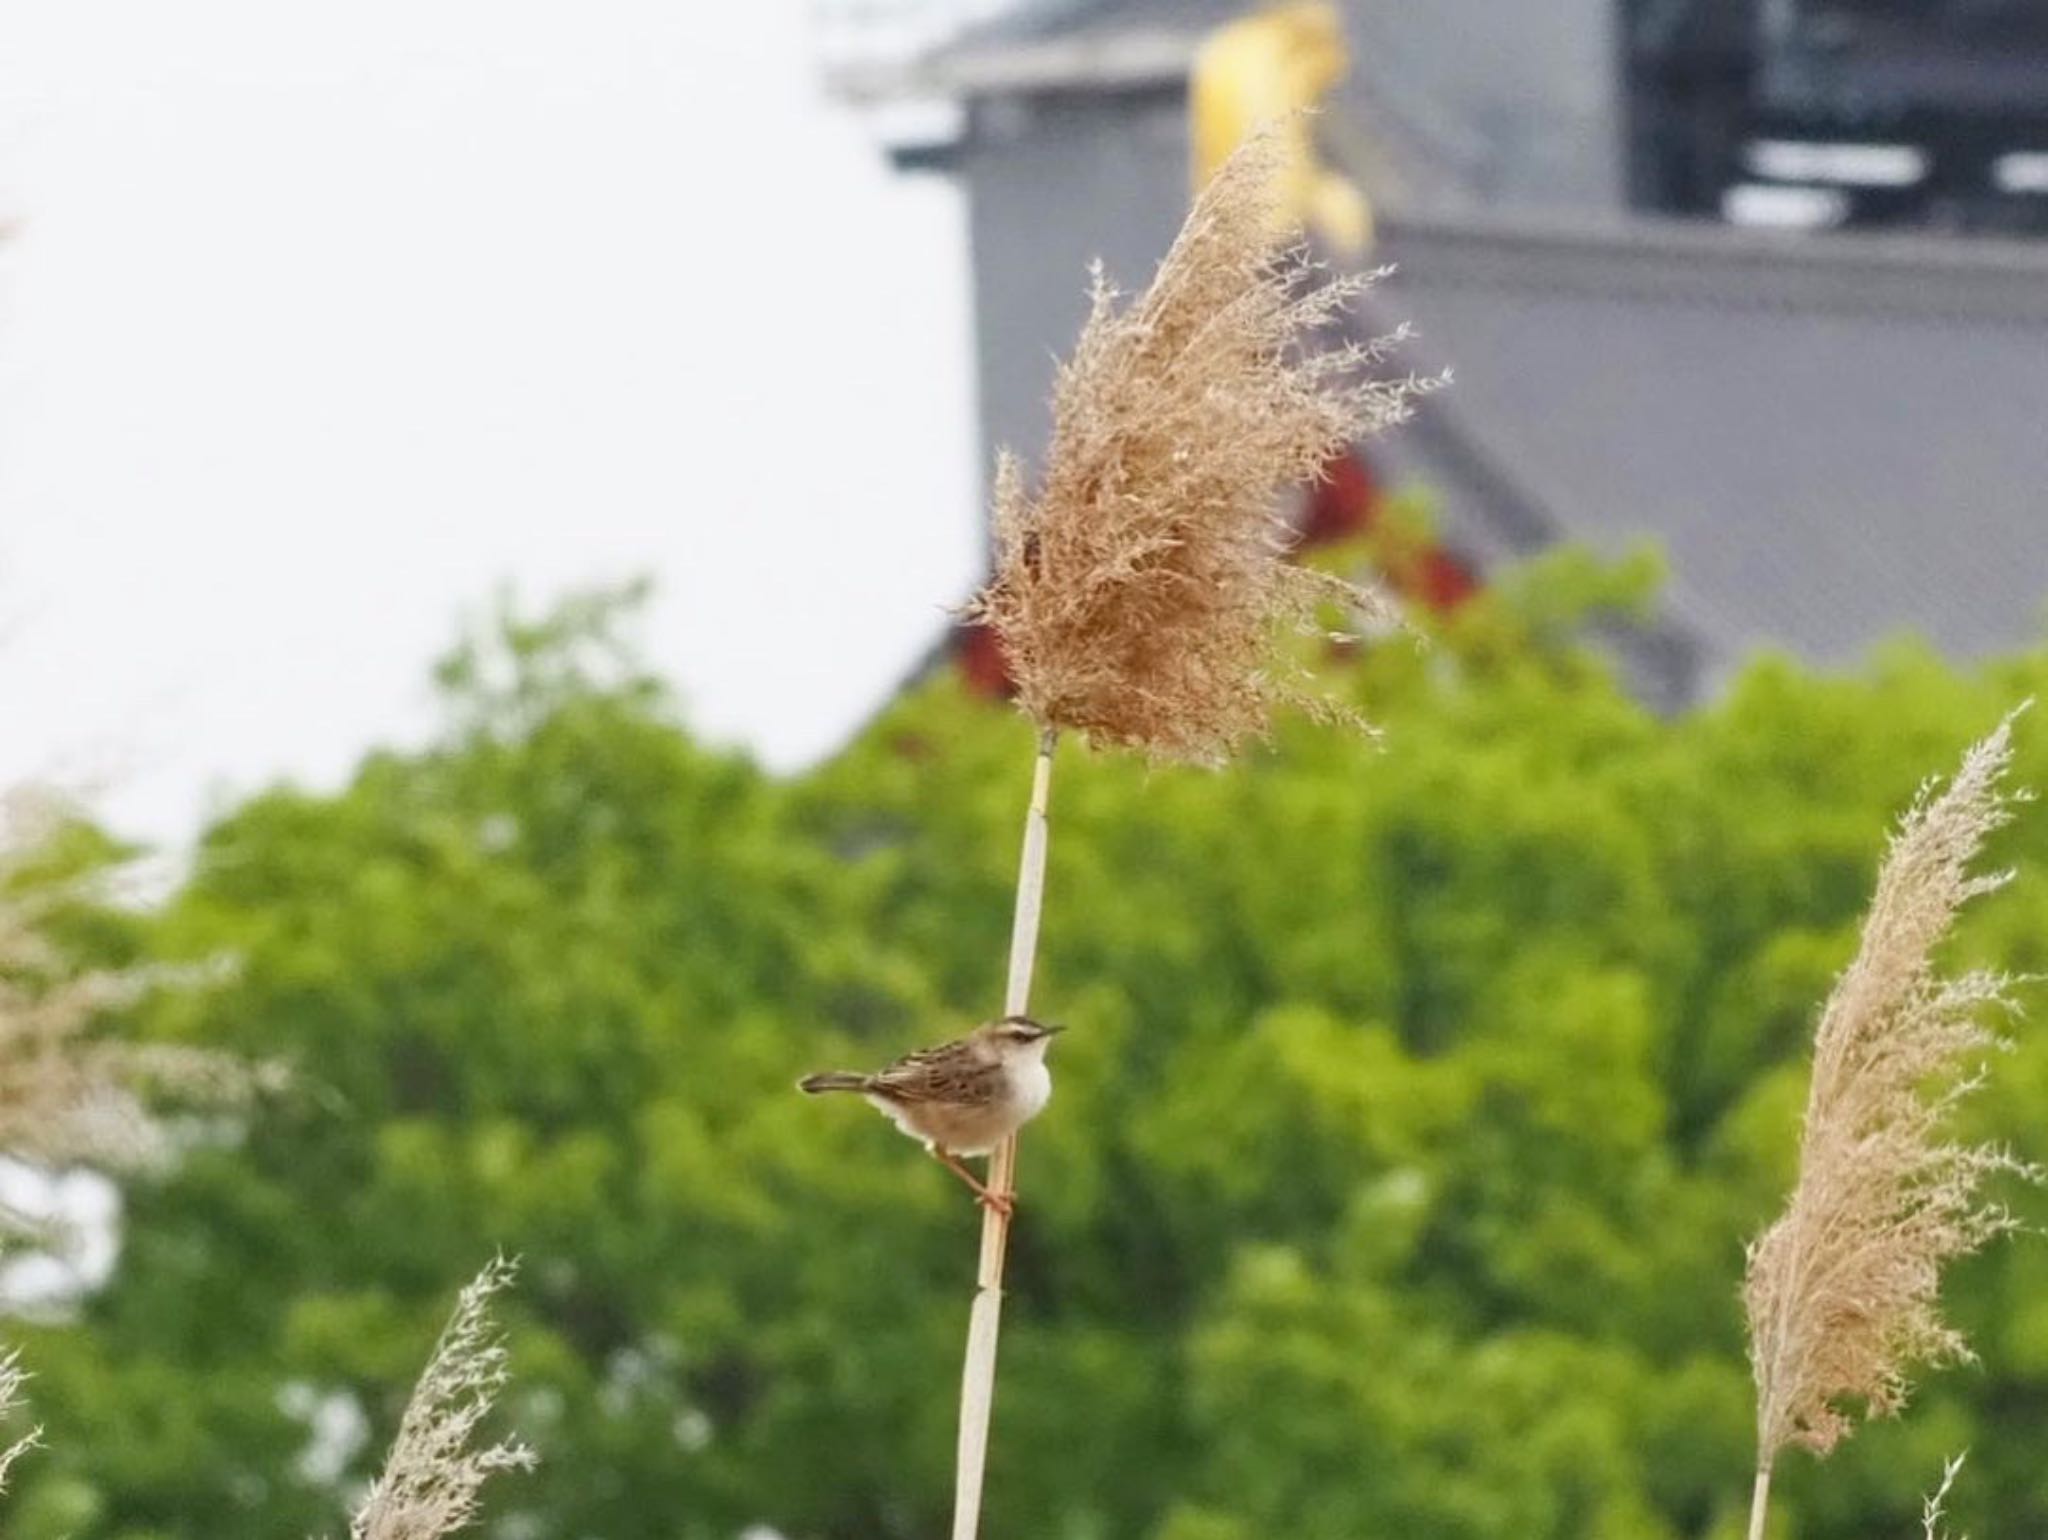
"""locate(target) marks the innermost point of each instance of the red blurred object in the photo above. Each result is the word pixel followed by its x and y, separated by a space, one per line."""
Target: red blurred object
pixel 980 658
pixel 1346 503
pixel 1343 504
pixel 1440 580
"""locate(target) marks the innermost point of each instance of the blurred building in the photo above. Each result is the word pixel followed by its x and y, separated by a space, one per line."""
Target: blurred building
pixel 1841 112
pixel 1833 432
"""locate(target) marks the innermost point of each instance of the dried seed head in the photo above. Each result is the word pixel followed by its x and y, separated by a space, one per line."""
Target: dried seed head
pixel 1934 1507
pixel 1842 1292
pixel 435 1473
pixel 1139 596
pixel 68 1093
pixel 11 1377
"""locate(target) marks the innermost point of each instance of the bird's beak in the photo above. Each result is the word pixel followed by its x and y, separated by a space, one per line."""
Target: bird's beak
pixel 1051 1029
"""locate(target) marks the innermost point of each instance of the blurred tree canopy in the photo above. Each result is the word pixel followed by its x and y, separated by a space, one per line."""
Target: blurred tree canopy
pixel 1418 1102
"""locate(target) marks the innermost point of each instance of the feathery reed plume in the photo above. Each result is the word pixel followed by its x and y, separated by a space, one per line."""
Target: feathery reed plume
pixel 1138 595
pixel 11 1378
pixel 64 1094
pixel 1935 1506
pixel 433 1474
pixel 67 1093
pixel 1138 598
pixel 1842 1291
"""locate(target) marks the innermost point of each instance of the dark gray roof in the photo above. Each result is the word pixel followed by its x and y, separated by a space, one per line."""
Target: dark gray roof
pixel 1070 45
pixel 1100 18
pixel 1836 439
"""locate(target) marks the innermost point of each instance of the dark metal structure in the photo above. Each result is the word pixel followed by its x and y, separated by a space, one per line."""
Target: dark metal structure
pixel 1841 112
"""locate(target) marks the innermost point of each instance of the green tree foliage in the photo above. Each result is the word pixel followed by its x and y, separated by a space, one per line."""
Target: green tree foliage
pixel 1418 1102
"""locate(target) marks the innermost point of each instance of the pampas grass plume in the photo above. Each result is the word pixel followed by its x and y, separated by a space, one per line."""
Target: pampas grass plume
pixel 1139 593
pixel 434 1474
pixel 11 1378
pixel 1842 1291
pixel 67 1091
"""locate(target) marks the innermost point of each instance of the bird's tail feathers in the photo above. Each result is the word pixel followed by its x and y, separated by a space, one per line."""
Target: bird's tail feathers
pixel 832 1080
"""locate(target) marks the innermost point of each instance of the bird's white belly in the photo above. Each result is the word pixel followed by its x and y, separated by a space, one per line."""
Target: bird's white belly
pixel 975 1130
pixel 1031 1086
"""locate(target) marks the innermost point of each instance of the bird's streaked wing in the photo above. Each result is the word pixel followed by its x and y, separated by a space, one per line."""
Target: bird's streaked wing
pixel 951 1073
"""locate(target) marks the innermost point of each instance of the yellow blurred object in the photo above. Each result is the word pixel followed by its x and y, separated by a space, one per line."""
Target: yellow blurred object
pixel 1273 66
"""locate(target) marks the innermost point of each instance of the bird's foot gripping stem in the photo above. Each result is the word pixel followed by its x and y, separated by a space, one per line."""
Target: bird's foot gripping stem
pixel 997 1202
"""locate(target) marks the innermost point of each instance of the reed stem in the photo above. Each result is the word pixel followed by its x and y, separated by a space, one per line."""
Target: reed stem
pixel 984 1322
pixel 1759 1502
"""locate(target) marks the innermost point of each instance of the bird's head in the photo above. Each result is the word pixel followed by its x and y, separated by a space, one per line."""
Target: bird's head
pixel 1019 1037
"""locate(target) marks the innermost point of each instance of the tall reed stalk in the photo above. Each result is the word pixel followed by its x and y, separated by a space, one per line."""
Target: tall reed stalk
pixel 1139 593
pixel 978 1380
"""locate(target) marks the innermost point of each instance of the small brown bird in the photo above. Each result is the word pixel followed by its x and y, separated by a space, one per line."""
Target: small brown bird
pixel 961 1098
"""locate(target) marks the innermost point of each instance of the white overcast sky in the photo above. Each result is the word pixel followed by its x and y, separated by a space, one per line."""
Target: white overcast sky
pixel 319 322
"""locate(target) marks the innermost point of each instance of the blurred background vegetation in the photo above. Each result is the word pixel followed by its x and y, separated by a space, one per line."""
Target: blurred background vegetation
pixel 1419 1100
